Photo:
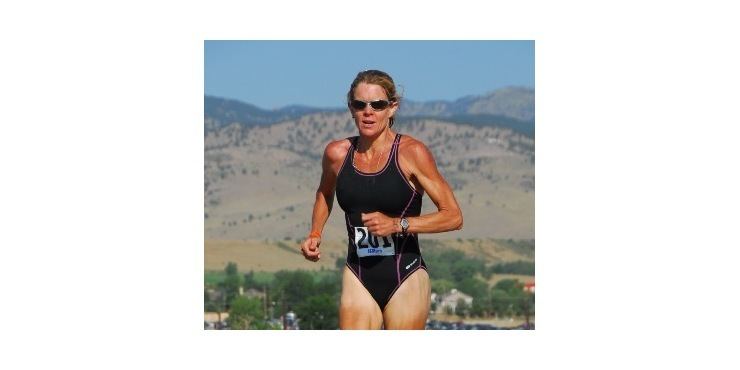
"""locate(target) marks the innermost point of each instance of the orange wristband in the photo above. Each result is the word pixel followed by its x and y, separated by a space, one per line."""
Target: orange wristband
pixel 314 234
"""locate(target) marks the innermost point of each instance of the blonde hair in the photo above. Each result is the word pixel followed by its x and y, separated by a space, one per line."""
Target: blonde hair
pixel 375 77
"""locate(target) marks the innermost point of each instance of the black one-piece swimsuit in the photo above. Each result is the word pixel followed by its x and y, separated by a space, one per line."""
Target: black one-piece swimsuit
pixel 380 263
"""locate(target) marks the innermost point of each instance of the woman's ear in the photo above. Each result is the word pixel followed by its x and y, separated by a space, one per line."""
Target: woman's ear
pixel 394 108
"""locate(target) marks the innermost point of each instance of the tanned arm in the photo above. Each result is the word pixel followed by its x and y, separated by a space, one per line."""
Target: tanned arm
pixel 330 164
pixel 418 163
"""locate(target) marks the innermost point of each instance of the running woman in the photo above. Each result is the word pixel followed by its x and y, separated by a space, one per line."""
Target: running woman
pixel 379 178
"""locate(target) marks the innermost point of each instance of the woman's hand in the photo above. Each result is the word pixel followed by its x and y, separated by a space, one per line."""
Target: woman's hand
pixel 379 224
pixel 310 248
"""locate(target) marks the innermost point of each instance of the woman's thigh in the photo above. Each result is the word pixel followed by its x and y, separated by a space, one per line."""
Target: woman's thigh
pixel 357 308
pixel 409 306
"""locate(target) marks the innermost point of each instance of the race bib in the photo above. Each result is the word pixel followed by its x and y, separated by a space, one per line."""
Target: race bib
pixel 370 245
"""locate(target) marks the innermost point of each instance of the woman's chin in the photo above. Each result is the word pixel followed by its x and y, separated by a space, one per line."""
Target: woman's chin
pixel 368 131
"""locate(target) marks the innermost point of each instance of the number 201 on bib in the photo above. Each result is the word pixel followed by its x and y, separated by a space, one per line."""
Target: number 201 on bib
pixel 370 245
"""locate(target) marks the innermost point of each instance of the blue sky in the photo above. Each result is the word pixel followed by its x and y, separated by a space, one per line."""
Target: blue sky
pixel 273 74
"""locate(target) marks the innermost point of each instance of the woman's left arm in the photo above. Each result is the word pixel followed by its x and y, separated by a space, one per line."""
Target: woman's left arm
pixel 419 162
pixel 422 166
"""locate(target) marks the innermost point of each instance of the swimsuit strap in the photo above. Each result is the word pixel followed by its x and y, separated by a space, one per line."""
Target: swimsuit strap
pixel 396 141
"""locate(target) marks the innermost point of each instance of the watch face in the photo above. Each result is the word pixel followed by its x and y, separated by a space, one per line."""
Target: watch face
pixel 404 224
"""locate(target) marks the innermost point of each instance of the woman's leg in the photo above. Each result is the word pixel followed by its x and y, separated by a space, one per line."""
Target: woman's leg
pixel 409 306
pixel 357 308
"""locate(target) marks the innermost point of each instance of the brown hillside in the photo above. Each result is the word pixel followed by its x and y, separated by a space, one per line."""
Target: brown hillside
pixel 260 182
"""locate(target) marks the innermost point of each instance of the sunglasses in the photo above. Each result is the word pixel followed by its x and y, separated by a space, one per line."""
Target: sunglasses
pixel 375 104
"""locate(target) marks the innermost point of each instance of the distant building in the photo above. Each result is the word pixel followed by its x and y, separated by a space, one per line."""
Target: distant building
pixel 449 300
pixel 529 287
pixel 252 293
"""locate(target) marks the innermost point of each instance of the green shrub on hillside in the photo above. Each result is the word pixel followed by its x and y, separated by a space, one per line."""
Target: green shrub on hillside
pixel 517 267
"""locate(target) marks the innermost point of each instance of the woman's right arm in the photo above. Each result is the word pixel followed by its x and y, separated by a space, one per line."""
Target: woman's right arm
pixel 331 162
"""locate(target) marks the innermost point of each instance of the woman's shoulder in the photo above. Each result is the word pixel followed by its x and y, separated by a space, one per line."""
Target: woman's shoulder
pixel 413 147
pixel 337 149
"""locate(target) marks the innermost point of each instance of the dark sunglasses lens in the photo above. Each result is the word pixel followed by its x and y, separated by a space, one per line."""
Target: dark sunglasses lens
pixel 379 104
pixel 357 104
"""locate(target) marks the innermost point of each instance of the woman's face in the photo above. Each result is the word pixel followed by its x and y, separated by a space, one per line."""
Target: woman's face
pixel 369 121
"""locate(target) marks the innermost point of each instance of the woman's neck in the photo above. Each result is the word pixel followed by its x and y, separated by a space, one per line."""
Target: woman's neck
pixel 377 143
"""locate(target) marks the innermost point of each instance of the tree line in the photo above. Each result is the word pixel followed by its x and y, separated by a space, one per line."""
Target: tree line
pixel 314 295
pixel 453 269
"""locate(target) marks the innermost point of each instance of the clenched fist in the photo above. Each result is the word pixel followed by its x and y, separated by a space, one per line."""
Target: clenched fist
pixel 310 248
pixel 379 224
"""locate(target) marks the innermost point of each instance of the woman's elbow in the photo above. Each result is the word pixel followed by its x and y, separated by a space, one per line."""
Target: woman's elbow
pixel 458 224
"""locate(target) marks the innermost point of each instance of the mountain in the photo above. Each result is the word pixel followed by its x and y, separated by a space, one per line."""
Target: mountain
pixel 512 102
pixel 220 112
pixel 511 107
pixel 262 166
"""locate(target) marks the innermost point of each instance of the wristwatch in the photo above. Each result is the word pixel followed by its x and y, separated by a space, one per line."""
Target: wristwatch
pixel 404 224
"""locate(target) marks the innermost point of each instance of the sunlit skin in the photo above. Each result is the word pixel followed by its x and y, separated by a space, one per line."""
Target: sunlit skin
pixel 409 306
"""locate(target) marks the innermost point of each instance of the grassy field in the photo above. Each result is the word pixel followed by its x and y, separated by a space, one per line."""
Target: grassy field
pixel 270 256
pixel 213 278
pixel 267 256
